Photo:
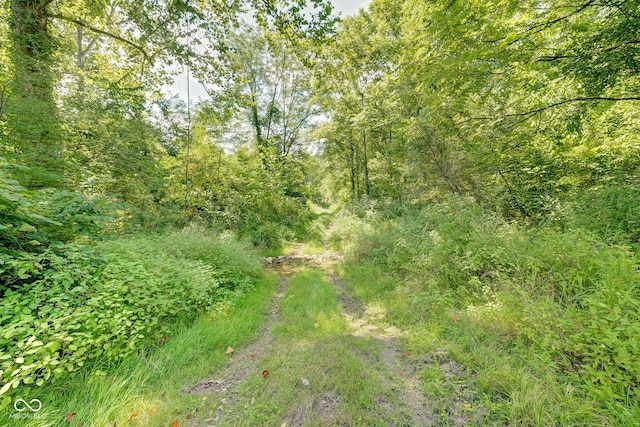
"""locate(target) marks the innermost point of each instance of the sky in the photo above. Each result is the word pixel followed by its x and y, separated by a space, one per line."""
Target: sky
pixel 179 86
pixel 349 7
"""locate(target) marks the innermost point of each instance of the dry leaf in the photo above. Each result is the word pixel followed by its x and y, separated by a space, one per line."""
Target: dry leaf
pixel 132 416
pixel 70 416
pixel 265 373
pixel 220 345
pixel 174 423
pixel 305 381
pixel 316 325
pixel 152 411
pixel 253 355
pixel 409 353
pixel 229 350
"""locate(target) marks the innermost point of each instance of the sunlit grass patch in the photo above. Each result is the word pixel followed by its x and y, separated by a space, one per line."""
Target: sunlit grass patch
pixel 309 307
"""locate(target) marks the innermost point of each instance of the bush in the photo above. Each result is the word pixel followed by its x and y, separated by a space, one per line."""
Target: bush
pixel 18 215
pixel 581 296
pixel 82 304
pixel 612 212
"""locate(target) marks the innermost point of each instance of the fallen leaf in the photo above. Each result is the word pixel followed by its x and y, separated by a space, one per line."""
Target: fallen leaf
pixel 70 416
pixel 132 416
pixel 220 345
pixel 305 381
pixel 152 411
pixel 174 423
pixel 229 350
pixel 456 319
pixel 316 325
pixel 265 373
pixel 253 355
pixel 409 353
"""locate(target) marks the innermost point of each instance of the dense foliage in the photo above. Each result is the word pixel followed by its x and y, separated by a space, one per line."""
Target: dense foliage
pixel 487 154
pixel 507 102
pixel 563 297
pixel 527 113
pixel 98 169
pixel 103 302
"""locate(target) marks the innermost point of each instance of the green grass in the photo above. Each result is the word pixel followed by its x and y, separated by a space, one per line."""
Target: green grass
pixel 309 308
pixel 312 341
pixel 508 381
pixel 523 314
pixel 107 395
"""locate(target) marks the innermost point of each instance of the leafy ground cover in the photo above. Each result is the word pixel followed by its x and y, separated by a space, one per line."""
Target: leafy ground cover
pixel 441 315
pixel 103 303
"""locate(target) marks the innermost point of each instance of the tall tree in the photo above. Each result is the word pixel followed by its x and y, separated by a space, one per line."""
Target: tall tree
pixel 139 36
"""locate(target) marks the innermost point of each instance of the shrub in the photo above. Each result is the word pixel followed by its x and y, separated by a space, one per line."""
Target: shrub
pixel 18 215
pixel 83 303
pixel 612 212
pixel 581 296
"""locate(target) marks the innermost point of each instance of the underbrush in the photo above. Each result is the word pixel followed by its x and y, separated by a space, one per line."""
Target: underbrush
pixel 547 319
pixel 73 304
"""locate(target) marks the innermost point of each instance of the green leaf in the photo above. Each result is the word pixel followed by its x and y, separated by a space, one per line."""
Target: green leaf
pixel 27 228
pixel 7 386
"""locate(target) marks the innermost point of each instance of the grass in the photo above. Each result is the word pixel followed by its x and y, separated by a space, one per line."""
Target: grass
pixel 312 342
pixel 470 318
pixel 510 383
pixel 511 319
pixel 149 385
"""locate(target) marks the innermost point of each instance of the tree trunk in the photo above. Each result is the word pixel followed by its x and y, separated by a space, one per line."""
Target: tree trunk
pixel 367 186
pixel 35 132
pixel 33 49
pixel 352 170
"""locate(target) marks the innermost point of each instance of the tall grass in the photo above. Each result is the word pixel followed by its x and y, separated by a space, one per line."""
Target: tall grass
pixel 547 319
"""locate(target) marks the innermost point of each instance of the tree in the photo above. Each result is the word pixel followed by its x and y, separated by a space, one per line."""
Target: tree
pixel 138 36
pixel 272 87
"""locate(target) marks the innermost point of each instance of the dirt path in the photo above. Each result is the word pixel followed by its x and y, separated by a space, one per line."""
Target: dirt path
pixel 401 401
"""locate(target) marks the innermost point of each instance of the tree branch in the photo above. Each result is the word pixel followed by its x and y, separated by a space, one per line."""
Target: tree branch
pixel 99 31
pixel 43 5
pixel 555 104
pixel 536 28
